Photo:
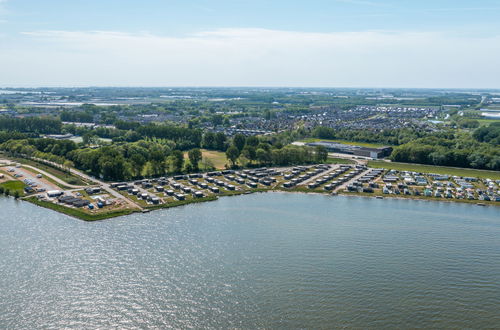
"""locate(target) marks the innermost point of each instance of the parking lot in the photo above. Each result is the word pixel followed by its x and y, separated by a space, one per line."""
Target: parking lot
pixel 30 178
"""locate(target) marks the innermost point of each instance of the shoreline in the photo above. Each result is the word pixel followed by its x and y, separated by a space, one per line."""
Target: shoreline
pixel 77 214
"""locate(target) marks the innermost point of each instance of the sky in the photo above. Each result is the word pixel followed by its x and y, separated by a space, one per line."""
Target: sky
pixel 314 43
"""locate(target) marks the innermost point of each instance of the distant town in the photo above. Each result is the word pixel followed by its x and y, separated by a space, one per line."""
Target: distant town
pixel 96 153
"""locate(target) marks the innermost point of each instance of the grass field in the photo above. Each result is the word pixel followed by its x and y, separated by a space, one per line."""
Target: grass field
pixel 14 186
pixel 487 122
pixel 217 158
pixel 495 175
pixel 361 144
pixel 333 160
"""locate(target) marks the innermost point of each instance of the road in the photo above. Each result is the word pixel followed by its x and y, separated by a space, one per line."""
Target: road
pixel 46 174
pixel 311 179
pixel 345 184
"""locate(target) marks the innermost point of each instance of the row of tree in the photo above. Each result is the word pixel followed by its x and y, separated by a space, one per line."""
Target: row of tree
pixel 40 125
pixel 259 151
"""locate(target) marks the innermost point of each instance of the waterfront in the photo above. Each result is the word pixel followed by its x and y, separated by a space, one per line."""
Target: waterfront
pixel 262 260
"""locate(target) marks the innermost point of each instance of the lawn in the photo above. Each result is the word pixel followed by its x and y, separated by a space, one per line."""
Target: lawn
pixel 495 175
pixel 14 186
pixel 487 122
pixel 334 160
pixel 354 143
pixel 217 158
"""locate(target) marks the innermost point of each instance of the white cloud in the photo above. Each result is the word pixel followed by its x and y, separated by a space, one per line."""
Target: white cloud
pixel 2 7
pixel 251 57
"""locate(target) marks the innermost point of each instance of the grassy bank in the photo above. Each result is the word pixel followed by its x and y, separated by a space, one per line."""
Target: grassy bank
pixel 77 213
pixel 14 186
pixel 495 175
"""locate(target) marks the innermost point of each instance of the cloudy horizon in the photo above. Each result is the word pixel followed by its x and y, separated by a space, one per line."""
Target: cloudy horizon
pixel 392 55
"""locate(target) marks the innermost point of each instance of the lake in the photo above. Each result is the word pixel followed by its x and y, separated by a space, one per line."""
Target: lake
pixel 273 260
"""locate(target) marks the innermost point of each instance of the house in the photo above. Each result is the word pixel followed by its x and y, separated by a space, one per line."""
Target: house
pixel 54 193
pixel 198 194
pixel 93 190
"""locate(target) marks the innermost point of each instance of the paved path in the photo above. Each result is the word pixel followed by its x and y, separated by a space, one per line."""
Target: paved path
pixel 313 178
pixel 46 174
pixel 345 184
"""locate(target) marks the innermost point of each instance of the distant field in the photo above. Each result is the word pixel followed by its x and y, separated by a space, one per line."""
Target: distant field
pixel 218 158
pixel 495 175
pixel 333 160
pixel 486 122
pixel 361 144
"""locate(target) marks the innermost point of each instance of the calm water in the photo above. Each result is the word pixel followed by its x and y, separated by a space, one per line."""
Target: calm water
pixel 264 260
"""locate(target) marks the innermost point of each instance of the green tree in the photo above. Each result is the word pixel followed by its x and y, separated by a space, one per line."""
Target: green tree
pixel 220 141
pixel 178 161
pixel 194 157
pixel 208 141
pixel 249 153
pixel 321 154
pixel 252 141
pixel 263 156
pixel 232 153
pixel 239 141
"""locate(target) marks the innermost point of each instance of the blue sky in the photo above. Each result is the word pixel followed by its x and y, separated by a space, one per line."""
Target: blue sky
pixel 337 43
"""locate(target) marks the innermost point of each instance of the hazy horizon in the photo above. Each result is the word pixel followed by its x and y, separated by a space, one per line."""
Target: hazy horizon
pixel 329 44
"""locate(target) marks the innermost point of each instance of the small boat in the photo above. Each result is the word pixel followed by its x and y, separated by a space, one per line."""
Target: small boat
pixel 481 204
pixel 379 197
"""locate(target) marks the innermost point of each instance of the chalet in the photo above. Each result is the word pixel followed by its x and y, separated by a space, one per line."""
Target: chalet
pixel 54 193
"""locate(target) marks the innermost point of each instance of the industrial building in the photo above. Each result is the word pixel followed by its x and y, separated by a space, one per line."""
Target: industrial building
pixel 353 150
